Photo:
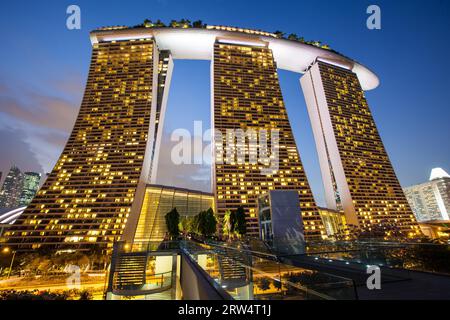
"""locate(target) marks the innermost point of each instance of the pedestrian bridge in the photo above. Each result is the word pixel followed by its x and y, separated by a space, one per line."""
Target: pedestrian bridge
pixel 216 271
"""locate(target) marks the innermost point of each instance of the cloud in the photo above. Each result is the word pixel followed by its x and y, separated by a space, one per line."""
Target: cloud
pixel 38 126
pixel 39 110
pixel 191 176
pixel 15 151
pixel 41 123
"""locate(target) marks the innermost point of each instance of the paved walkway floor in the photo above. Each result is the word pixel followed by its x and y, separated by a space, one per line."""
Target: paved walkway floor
pixel 396 284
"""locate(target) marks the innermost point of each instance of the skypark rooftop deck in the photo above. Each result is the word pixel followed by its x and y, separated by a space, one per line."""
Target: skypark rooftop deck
pixel 198 44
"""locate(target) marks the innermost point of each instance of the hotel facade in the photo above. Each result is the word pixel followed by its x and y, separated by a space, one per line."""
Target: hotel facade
pixel 356 171
pixel 97 189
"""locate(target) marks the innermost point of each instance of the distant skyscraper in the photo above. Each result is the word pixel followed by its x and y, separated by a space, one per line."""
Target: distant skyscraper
pixel 29 187
pixel 11 189
pixel 356 169
pixel 431 200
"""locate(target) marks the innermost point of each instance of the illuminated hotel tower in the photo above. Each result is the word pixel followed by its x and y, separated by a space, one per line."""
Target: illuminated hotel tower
pixel 101 175
pixel 95 192
pixel 246 95
pixel 353 161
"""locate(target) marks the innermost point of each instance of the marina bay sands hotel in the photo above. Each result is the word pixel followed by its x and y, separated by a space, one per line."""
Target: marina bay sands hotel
pixel 103 186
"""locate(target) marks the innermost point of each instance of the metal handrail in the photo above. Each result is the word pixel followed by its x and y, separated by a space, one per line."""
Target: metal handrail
pixel 217 288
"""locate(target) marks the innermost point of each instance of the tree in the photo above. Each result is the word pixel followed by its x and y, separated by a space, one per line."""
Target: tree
pixel 211 222
pixel 207 223
pixel 292 36
pixel 148 23
pixel 382 230
pixel 86 295
pixel 226 226
pixel 197 24
pixel 241 223
pixel 233 222
pixel 183 226
pixel 172 221
pixel 159 24
pixel 185 23
pixel 174 24
pixel 279 34
pixel 264 283
pixel 194 224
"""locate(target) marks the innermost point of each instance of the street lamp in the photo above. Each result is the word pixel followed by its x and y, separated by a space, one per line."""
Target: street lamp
pixel 7 250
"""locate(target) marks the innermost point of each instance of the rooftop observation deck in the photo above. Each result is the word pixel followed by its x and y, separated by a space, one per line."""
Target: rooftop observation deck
pixel 198 43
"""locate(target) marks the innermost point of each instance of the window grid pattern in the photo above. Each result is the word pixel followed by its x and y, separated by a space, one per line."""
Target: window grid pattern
pixel 375 190
pixel 88 195
pixel 159 200
pixel 247 95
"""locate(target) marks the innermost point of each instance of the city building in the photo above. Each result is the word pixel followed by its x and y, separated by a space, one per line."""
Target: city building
pixel 96 192
pixel 436 229
pixel 356 171
pixel 158 201
pixel 431 200
pixel 8 217
pixel 11 189
pixel 30 186
pixel 333 221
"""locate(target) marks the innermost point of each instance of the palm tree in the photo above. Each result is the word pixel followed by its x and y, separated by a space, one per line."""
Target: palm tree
pixel 148 23
pixel 226 225
pixel 159 24
pixel 185 23
pixel 292 36
pixel 279 34
pixel 197 24
pixel 174 23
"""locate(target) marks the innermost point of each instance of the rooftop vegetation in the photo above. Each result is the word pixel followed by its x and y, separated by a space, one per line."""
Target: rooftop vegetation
pixel 186 23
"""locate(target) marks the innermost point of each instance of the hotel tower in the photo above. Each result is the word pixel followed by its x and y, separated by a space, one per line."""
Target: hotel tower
pixel 101 175
pixel 247 95
pixel 356 171
pixel 97 191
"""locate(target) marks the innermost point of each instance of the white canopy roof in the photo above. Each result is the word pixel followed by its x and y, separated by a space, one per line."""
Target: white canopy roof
pixel 198 44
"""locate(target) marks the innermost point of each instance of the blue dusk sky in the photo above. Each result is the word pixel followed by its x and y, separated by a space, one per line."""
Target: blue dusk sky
pixel 43 69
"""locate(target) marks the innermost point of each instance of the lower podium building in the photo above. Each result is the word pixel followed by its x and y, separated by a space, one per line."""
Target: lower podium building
pixel 280 225
pixel 158 201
